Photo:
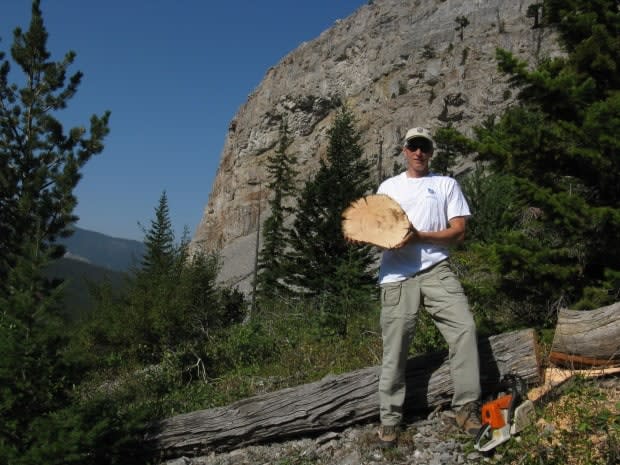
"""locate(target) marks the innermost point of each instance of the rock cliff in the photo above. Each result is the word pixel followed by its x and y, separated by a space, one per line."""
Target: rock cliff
pixel 395 64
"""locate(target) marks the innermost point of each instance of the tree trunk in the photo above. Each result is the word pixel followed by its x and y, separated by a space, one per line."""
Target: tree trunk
pixel 587 338
pixel 339 401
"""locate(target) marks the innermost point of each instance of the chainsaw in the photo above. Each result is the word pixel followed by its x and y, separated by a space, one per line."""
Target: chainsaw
pixel 505 416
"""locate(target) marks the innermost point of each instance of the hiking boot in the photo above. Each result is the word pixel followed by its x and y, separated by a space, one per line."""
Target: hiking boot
pixel 468 418
pixel 388 436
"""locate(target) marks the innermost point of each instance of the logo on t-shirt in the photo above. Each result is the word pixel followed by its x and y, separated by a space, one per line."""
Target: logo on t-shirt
pixel 430 191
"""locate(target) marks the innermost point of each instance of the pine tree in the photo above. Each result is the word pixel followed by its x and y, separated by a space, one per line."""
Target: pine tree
pixel 172 305
pixel 451 147
pixel 154 287
pixel 32 375
pixel 322 263
pixel 41 164
pixel 39 168
pixel 533 11
pixel 462 22
pixel 281 169
pixel 159 240
pixel 560 146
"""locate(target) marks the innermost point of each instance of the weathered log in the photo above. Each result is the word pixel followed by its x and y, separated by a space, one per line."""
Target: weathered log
pixel 338 401
pixel 585 338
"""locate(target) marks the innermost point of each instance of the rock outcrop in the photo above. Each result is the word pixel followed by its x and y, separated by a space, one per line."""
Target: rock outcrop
pixel 395 64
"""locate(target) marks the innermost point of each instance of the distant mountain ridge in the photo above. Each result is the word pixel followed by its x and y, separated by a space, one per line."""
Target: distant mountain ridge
pixel 80 277
pixel 91 259
pixel 103 251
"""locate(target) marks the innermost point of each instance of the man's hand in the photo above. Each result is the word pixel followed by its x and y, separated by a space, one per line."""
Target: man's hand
pixel 412 236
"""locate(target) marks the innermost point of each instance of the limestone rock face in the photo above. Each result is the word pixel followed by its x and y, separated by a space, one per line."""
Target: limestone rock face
pixel 395 64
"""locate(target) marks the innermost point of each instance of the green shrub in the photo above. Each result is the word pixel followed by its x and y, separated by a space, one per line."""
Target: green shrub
pixel 240 346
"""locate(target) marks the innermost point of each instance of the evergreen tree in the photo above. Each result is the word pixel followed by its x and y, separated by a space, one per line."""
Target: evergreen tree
pixel 533 11
pixel 40 162
pixel 451 147
pixel 40 166
pixel 462 22
pixel 322 263
pixel 153 288
pixel 32 375
pixel 159 241
pixel 172 305
pixel 560 146
pixel 281 169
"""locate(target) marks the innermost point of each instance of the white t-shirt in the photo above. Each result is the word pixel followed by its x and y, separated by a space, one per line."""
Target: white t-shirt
pixel 430 202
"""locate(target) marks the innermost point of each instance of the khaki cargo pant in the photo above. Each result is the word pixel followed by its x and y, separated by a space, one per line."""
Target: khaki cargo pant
pixel 440 291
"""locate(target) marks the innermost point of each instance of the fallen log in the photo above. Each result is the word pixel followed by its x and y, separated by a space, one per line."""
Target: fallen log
pixel 587 338
pixel 339 401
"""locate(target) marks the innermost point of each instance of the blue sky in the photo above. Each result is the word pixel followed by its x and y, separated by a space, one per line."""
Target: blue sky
pixel 173 73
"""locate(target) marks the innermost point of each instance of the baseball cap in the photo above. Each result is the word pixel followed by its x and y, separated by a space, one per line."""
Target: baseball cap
pixel 423 133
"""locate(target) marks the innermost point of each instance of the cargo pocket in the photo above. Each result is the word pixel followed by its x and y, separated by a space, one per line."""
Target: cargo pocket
pixel 449 281
pixel 390 294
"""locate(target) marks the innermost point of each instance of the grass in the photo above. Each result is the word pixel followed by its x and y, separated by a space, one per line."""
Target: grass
pixel 304 352
pixel 580 424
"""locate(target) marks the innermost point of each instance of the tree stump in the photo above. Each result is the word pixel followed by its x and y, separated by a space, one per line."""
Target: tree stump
pixel 339 401
pixel 586 338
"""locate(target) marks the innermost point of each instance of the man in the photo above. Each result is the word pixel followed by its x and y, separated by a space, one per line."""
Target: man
pixel 417 272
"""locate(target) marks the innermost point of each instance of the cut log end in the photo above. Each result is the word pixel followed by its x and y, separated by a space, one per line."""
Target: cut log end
pixel 587 338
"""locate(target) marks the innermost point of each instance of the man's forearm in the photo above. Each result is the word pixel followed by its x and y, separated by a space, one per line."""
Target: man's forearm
pixel 454 234
pixel 445 237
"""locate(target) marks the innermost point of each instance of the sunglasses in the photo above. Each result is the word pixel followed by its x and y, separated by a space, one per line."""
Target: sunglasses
pixel 422 144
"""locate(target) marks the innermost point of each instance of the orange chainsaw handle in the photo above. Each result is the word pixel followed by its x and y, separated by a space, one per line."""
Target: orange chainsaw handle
pixel 492 411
